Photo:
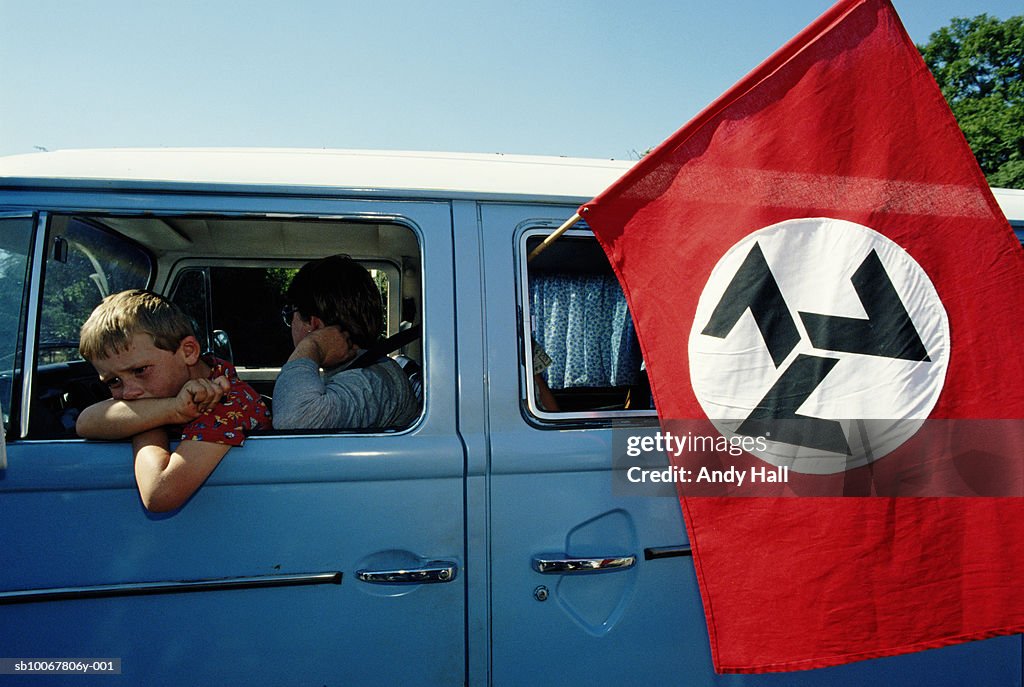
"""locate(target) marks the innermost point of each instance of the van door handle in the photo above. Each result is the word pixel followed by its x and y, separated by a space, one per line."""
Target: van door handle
pixel 555 564
pixel 435 572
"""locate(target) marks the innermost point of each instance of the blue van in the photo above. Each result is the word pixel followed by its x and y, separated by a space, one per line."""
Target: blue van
pixel 457 550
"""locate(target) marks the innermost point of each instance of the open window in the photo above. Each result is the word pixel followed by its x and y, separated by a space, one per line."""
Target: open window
pixel 229 274
pixel 579 340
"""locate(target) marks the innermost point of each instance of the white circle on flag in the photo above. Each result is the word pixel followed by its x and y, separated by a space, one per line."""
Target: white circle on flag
pixel 868 376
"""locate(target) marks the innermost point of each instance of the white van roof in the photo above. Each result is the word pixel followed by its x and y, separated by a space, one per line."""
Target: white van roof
pixel 370 171
pixel 445 173
pixel 1011 200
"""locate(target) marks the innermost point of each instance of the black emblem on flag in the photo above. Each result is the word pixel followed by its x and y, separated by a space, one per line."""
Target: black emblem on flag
pixel 887 332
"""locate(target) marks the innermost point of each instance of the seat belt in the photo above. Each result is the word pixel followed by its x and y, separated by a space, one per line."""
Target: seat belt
pixel 374 353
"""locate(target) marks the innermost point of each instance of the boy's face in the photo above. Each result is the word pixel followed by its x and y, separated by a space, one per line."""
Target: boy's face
pixel 145 371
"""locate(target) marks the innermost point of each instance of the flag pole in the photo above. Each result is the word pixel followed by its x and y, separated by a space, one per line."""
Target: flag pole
pixel 553 237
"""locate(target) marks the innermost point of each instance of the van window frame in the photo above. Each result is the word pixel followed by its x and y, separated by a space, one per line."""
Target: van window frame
pixel 20 374
pixel 528 388
pixel 148 201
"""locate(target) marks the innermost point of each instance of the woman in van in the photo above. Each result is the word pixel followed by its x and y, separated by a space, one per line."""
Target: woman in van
pixel 335 313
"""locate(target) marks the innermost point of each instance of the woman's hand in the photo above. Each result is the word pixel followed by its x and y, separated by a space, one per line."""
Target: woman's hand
pixel 327 347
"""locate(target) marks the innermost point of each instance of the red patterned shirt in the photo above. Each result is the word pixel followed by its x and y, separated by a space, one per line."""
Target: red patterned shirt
pixel 240 410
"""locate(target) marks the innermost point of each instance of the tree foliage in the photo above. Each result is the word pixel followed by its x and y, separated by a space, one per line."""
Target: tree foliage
pixel 978 63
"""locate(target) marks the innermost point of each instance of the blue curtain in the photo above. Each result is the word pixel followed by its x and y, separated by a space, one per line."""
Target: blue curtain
pixel 582 322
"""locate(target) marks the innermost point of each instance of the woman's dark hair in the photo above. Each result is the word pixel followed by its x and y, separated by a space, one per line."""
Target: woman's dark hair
pixel 341 292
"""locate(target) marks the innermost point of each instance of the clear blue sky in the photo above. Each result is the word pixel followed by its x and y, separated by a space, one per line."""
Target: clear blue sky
pixel 592 79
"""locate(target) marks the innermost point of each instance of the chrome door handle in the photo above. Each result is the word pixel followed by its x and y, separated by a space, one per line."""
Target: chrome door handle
pixel 554 565
pixel 434 572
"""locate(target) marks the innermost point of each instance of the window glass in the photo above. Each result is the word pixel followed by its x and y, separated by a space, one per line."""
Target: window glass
pixel 15 240
pixel 192 294
pixel 583 349
pixel 85 264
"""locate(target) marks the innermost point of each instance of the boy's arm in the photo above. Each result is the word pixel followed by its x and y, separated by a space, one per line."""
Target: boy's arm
pixel 167 479
pixel 119 419
pixel 113 419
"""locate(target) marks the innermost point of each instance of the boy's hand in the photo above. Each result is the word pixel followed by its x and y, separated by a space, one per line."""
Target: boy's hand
pixel 198 396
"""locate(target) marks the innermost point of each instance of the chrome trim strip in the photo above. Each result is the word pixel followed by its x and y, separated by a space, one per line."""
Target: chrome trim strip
pixel 35 295
pixel 104 591
pixel 559 566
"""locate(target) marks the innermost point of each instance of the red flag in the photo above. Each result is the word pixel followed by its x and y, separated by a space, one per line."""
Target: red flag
pixel 816 262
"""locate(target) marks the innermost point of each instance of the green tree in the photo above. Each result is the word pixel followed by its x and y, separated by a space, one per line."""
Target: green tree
pixel 978 63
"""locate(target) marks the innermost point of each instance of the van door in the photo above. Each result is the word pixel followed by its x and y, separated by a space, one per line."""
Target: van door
pixel 589 578
pixel 307 558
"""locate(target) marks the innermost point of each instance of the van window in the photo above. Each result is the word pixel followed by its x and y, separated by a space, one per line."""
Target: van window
pixel 15 241
pixel 581 339
pixel 229 274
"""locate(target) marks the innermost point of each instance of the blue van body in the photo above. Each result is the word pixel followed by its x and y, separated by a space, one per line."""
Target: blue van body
pixel 394 556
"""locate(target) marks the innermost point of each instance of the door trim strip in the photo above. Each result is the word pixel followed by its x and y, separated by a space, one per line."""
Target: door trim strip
pixel 104 591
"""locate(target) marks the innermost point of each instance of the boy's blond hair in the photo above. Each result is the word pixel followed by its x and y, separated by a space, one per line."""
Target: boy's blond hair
pixel 120 316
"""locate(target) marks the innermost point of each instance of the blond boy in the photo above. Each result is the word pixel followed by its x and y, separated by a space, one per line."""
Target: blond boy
pixel 145 350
